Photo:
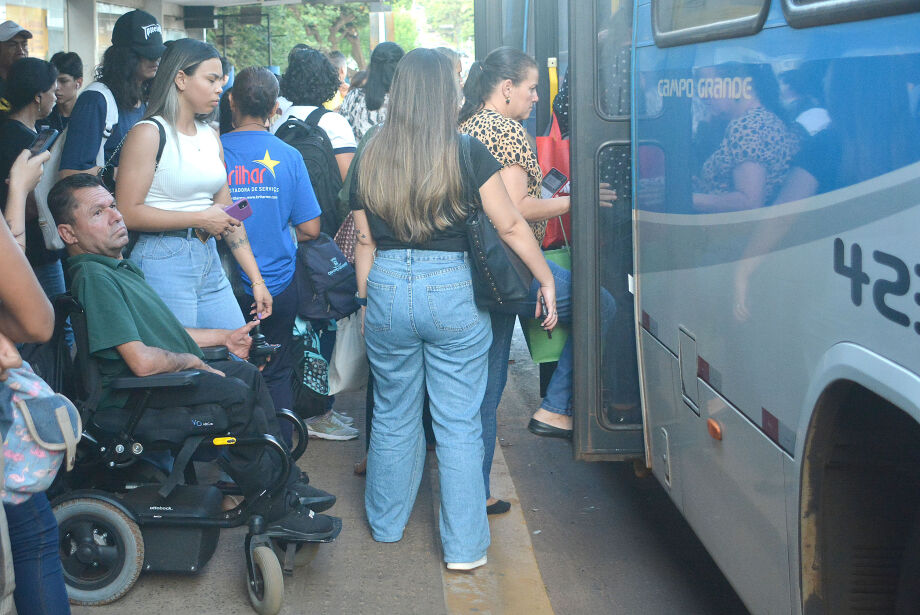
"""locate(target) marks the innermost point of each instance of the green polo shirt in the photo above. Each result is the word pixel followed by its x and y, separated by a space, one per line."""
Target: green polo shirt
pixel 120 308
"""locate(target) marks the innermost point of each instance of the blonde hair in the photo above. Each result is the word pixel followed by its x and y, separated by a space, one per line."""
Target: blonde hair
pixel 409 172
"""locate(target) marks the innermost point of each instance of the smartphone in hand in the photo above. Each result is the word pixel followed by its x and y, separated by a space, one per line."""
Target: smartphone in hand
pixel 43 141
pixel 239 210
pixel 545 313
pixel 554 182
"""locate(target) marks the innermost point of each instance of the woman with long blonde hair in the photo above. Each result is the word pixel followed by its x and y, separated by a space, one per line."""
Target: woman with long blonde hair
pixel 177 203
pixel 422 325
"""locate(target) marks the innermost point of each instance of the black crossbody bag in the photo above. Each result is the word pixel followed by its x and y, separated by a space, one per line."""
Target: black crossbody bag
pixel 501 280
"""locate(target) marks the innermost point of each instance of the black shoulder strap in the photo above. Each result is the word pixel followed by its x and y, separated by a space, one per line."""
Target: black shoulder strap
pixel 313 118
pixel 162 145
pixel 469 177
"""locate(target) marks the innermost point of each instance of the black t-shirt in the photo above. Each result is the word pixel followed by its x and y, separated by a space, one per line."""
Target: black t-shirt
pixel 451 239
pixel 15 137
pixel 54 120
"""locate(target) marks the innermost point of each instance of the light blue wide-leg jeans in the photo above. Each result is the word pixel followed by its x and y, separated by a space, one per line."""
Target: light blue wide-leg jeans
pixel 423 329
pixel 188 276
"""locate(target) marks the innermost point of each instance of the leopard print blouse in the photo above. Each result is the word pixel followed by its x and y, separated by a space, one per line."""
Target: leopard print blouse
pixel 757 136
pixel 507 140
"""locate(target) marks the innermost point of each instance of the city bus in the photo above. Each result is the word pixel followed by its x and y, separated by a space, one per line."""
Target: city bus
pixel 764 361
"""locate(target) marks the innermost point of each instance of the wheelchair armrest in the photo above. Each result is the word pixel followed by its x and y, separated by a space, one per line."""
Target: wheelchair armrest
pixel 157 381
pixel 215 353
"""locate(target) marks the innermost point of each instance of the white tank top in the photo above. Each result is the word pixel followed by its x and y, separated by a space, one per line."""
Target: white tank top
pixel 190 172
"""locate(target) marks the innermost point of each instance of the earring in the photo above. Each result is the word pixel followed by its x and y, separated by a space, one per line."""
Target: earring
pixel 507 100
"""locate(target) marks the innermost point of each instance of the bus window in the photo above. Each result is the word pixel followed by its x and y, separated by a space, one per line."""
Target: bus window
pixel 613 59
pixel 686 21
pixel 806 13
pixel 619 372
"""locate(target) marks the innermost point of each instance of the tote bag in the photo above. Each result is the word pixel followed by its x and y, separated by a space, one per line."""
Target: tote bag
pixel 348 367
pixel 553 152
pixel 542 348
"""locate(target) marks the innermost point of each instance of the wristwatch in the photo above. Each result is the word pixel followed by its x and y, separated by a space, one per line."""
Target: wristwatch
pixel 362 301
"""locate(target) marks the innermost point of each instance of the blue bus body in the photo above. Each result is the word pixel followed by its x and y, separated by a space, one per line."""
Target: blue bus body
pixel 776 200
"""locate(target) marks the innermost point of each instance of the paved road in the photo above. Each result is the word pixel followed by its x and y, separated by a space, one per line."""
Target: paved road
pixel 604 541
pixel 608 542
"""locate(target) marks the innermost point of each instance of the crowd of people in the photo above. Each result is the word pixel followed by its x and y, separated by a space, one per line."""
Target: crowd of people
pixel 163 133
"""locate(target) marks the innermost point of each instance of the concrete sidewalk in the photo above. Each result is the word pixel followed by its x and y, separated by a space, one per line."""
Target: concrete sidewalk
pixel 356 575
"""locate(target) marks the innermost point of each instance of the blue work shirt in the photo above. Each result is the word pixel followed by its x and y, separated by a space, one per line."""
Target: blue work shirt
pixel 86 128
pixel 272 176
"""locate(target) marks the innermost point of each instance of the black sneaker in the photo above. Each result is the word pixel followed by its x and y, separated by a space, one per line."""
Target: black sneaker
pixel 313 498
pixel 302 524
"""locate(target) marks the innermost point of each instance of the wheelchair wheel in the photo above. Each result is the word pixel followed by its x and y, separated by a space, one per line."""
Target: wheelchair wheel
pixel 101 548
pixel 305 553
pixel 266 591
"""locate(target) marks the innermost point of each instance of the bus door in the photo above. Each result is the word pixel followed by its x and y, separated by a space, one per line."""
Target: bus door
pixel 606 401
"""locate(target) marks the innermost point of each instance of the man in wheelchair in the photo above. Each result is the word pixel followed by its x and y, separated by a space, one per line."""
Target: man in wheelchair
pixel 131 331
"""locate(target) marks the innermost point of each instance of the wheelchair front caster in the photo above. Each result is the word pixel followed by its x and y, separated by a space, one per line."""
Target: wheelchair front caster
pixel 102 550
pixel 266 583
pixel 304 553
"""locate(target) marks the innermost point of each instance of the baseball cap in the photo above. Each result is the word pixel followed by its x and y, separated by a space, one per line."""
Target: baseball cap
pixel 141 32
pixel 9 29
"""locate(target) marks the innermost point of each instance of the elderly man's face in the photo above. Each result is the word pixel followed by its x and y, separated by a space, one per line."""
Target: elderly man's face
pixel 98 227
pixel 12 50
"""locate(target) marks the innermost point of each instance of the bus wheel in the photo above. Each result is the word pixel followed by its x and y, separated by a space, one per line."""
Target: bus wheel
pixel 908 601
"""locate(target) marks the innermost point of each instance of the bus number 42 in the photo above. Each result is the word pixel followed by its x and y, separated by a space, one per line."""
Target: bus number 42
pixel 898 286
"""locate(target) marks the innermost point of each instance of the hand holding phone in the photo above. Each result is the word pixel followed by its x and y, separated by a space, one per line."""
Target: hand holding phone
pixel 545 313
pixel 43 141
pixel 26 171
pixel 240 210
pixel 554 182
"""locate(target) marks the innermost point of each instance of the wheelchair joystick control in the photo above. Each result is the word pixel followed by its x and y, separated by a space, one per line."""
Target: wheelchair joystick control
pixel 261 350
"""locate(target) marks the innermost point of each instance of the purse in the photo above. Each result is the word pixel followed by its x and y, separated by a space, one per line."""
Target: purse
pixel 41 429
pixel 501 280
pixel 348 366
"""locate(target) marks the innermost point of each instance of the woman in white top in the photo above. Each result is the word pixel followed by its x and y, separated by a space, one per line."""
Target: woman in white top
pixel 309 81
pixel 177 205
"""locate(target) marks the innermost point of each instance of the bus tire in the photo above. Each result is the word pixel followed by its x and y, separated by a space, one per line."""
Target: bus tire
pixel 266 591
pixel 101 548
pixel 908 600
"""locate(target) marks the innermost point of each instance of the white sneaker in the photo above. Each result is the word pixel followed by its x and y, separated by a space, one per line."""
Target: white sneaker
pixel 325 427
pixel 466 565
pixel 343 418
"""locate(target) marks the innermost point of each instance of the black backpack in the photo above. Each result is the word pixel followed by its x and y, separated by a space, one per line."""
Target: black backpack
pixel 326 282
pixel 316 148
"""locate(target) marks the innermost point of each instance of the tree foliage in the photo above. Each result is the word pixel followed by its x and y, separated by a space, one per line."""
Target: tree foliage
pixel 453 19
pixel 322 26
pixel 327 27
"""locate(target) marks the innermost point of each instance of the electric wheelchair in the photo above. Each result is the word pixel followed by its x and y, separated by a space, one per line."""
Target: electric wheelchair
pixel 118 515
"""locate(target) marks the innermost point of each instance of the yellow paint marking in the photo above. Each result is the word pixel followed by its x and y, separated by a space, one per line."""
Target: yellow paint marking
pixel 510 583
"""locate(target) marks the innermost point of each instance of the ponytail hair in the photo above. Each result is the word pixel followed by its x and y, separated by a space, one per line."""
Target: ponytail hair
pixel 502 63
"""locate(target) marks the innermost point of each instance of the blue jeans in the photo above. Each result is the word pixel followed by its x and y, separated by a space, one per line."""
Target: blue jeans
pixel 559 391
pixel 423 330
pixel 188 276
pixel 40 588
